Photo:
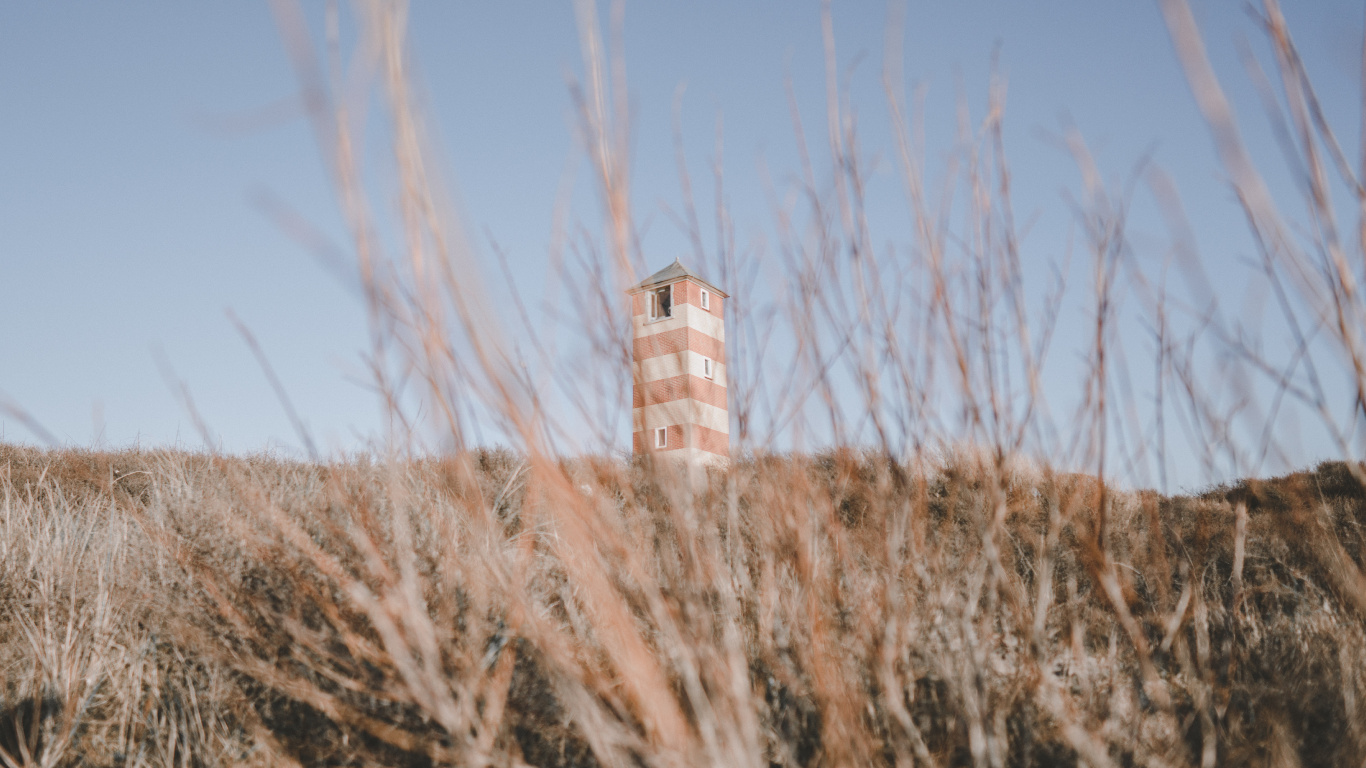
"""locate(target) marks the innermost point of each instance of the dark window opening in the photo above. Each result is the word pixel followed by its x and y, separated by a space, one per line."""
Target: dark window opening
pixel 661 302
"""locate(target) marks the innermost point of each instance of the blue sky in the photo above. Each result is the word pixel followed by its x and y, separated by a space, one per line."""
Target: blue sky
pixel 138 139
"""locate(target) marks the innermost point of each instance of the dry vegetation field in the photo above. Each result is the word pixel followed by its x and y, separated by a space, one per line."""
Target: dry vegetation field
pixel 902 602
pixel 162 608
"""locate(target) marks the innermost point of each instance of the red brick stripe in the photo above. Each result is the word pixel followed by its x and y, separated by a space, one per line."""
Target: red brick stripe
pixel 644 442
pixel 678 388
pixel 685 292
pixel 711 441
pixel 688 292
pixel 708 440
pixel 678 340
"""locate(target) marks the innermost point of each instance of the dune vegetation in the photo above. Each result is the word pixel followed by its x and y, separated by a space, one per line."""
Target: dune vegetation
pixel 955 573
pixel 165 608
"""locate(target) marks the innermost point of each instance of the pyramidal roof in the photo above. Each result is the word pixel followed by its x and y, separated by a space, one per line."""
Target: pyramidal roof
pixel 673 273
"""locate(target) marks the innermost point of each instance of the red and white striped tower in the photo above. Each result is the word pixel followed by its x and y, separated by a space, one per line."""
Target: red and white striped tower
pixel 679 368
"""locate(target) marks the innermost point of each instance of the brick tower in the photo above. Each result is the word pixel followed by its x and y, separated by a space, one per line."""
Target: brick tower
pixel 679 368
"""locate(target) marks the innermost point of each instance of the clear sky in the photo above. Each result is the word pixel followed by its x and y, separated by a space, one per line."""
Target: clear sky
pixel 136 140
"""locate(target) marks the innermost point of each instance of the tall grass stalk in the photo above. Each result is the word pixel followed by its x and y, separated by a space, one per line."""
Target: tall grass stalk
pixel 957 579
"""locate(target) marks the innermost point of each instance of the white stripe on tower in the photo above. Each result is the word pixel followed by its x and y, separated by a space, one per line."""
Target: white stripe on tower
pixel 676 364
pixel 686 316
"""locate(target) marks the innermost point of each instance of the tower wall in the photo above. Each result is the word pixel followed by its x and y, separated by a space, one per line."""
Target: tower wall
pixel 670 385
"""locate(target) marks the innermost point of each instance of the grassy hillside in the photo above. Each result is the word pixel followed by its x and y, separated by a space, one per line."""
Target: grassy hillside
pixel 163 608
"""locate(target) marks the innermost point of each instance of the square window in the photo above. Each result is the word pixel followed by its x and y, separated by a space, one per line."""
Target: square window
pixel 662 437
pixel 706 299
pixel 708 368
pixel 661 302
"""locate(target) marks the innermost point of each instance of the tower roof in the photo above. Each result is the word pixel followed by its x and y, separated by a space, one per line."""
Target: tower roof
pixel 672 273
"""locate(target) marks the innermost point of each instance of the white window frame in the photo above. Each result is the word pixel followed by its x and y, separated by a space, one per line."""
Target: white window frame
pixel 708 368
pixel 654 303
pixel 661 437
pixel 706 299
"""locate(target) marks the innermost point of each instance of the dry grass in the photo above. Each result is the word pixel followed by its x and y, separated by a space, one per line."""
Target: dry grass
pixel 175 609
pixel 909 602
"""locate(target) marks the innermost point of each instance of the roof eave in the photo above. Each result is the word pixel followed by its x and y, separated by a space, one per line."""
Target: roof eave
pixel 671 280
